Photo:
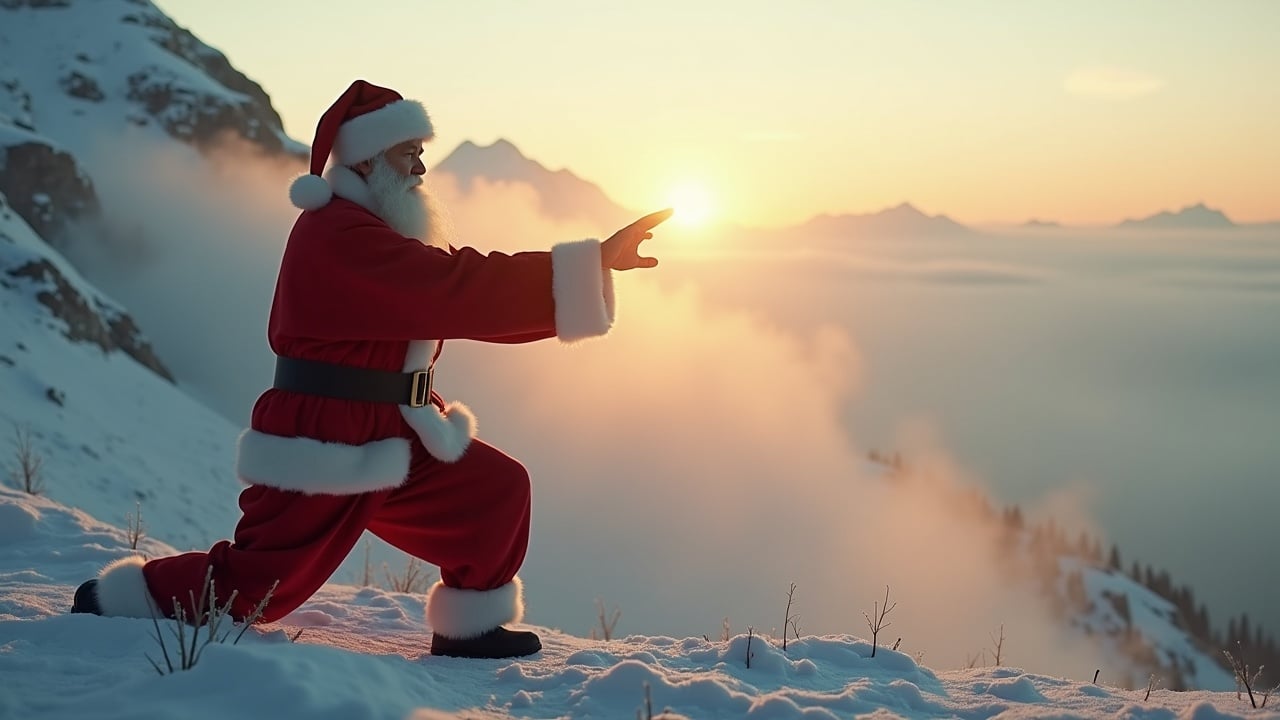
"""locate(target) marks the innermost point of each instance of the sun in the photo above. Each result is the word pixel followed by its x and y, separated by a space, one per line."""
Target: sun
pixel 693 204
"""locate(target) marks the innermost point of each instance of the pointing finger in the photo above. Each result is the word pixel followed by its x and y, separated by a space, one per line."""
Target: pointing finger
pixel 652 219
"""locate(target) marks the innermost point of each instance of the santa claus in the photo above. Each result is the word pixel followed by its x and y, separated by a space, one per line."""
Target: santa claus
pixel 352 436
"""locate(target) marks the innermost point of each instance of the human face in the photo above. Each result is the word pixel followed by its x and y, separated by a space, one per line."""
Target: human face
pixel 406 158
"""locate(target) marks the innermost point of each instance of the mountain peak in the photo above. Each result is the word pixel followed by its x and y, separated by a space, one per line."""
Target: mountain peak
pixel 561 193
pixel 901 220
pixel 1199 216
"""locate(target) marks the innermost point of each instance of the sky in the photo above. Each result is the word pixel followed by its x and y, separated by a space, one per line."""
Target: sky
pixel 988 111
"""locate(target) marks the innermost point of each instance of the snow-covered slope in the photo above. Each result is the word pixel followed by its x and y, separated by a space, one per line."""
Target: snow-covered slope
pixel 111 432
pixel 82 71
pixel 362 653
pixel 1132 620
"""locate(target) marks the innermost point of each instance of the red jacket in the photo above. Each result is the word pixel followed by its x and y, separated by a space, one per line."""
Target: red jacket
pixel 353 291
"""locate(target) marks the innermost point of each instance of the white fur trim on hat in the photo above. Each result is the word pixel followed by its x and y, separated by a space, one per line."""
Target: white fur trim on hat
pixel 122 590
pixel 310 192
pixel 582 289
pixel 462 614
pixel 320 468
pixel 362 137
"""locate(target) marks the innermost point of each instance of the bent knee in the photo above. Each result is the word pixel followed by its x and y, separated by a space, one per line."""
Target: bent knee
pixel 507 476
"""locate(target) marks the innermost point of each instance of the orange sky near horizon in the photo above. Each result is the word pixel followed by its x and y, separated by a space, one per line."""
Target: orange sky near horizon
pixel 988 111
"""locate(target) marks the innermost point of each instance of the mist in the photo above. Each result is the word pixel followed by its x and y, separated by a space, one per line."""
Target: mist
pixel 712 449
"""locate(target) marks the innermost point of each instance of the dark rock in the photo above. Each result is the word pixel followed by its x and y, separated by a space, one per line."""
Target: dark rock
pixel 197 117
pixel 47 189
pixel 201 119
pixel 81 86
pixel 94 323
pixel 35 4
pixel 18 102
pixel 56 396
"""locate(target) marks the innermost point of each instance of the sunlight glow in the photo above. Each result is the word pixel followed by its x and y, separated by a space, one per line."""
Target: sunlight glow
pixel 692 203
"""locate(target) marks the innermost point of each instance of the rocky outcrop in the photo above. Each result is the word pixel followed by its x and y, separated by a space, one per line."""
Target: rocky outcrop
pixel 194 116
pixel 47 188
pixel 88 321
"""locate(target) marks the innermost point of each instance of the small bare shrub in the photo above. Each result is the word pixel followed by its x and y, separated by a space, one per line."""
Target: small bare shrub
pixel 725 632
pixel 648 705
pixel 367 581
pixel 413 579
pixel 788 621
pixel 751 632
pixel 608 624
pixel 875 620
pixel 211 616
pixel 997 644
pixel 134 529
pixel 27 473
pixel 1152 683
pixel 1240 668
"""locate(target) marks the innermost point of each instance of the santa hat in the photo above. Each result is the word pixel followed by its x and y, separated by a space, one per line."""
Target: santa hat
pixel 363 122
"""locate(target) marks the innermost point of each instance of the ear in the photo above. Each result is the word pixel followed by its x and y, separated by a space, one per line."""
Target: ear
pixel 363 168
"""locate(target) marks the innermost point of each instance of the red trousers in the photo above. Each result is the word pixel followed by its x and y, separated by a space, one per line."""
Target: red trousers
pixel 470 518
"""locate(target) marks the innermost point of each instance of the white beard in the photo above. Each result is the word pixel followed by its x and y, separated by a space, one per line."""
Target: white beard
pixel 403 203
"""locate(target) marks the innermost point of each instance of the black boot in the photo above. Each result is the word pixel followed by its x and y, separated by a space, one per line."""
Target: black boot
pixel 497 643
pixel 86 600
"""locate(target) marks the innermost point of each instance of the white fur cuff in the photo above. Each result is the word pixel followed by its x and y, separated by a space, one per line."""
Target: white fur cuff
pixel 461 614
pixel 320 468
pixel 122 590
pixel 582 289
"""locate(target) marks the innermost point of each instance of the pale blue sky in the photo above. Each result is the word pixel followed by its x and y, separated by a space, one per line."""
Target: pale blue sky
pixel 985 110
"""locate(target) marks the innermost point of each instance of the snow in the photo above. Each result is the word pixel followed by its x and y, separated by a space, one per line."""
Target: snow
pixel 1153 614
pixel 116 45
pixel 182 480
pixel 363 653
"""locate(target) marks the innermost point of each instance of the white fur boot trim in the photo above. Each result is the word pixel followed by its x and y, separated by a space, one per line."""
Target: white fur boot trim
pixel 122 590
pixel 462 614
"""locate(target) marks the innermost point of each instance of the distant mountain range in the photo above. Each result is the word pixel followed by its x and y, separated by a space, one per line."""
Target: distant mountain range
pixel 903 220
pixel 1198 216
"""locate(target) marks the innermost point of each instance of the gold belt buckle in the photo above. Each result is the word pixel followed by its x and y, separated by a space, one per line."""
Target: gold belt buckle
pixel 420 392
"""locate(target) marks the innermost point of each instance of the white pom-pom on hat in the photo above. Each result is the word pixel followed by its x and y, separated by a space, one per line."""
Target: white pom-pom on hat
pixel 310 192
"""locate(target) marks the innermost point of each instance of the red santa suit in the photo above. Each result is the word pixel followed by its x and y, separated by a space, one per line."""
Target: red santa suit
pixel 354 292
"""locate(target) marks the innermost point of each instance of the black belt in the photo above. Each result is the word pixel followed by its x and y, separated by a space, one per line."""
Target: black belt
pixel 354 383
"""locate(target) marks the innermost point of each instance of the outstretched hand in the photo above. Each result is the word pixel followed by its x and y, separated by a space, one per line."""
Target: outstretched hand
pixel 622 250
